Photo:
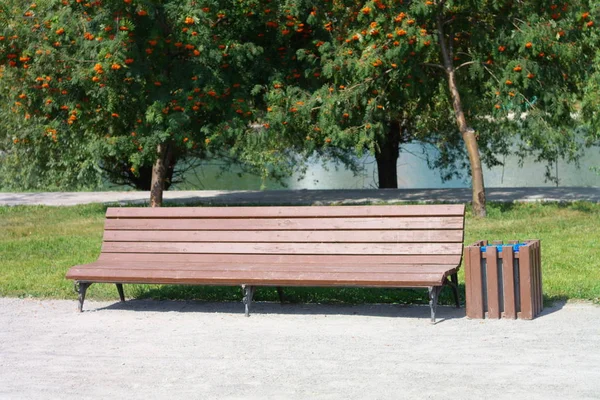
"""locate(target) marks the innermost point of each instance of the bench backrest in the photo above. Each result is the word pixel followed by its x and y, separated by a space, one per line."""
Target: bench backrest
pixel 420 234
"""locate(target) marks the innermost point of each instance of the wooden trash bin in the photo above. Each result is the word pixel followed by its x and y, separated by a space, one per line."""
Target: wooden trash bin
pixel 503 280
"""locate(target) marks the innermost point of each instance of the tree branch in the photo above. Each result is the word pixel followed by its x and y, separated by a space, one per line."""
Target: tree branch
pixel 491 73
pixel 464 65
pixel 434 65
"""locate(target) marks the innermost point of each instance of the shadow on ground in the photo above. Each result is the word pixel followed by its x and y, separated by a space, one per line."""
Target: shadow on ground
pixel 367 196
pixel 258 308
pixel 228 301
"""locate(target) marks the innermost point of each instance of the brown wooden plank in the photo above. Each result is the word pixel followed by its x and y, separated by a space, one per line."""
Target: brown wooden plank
pixel 508 277
pixel 541 276
pixel 250 224
pixel 493 296
pixel 283 248
pixel 333 259
pixel 476 285
pixel 254 277
pixel 525 283
pixel 468 279
pixel 358 269
pixel 341 236
pixel 497 242
pixel 279 212
pixel 537 276
pixel 534 281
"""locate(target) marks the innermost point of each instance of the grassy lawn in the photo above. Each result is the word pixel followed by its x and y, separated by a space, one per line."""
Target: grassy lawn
pixel 39 244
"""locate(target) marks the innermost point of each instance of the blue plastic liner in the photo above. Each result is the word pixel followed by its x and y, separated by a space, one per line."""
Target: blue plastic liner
pixel 499 247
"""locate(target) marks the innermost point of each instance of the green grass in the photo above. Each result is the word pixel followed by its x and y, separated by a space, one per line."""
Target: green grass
pixel 39 244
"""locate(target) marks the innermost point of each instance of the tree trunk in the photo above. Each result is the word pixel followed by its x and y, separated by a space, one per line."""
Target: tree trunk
pixel 387 157
pixel 468 134
pixel 143 180
pixel 159 173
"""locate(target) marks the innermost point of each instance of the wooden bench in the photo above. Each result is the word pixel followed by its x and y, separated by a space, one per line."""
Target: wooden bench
pixel 347 246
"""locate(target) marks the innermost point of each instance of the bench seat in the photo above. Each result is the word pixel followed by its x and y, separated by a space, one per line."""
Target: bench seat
pixel 344 246
pixel 237 274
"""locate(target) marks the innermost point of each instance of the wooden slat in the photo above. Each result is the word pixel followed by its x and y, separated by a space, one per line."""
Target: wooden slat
pixel 525 283
pixel 341 236
pixel 508 277
pixel 534 281
pixel 253 277
pixel 332 259
pixel 359 269
pixel 493 297
pixel 283 248
pixel 468 278
pixel 538 283
pixel 475 310
pixel 284 212
pixel 248 224
pixel 539 261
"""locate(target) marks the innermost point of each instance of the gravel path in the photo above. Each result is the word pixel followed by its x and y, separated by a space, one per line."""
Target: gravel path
pixel 307 197
pixel 157 350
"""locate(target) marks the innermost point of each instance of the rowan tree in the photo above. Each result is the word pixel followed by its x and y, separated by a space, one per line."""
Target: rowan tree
pixel 508 75
pixel 126 85
pixel 263 81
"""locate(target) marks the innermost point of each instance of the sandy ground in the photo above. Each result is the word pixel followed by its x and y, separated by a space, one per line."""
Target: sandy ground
pixel 159 350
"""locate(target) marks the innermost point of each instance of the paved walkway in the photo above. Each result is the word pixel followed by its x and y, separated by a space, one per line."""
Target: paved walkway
pixel 307 197
pixel 173 349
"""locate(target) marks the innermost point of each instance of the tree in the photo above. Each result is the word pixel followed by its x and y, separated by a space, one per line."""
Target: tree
pixel 122 86
pixel 528 58
pixel 268 84
pixel 508 75
pixel 361 88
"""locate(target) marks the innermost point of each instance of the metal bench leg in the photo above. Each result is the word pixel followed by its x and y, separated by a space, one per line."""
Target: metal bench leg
pixel 81 288
pixel 280 294
pixel 120 290
pixel 434 292
pixel 248 295
pixel 454 284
